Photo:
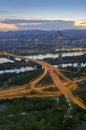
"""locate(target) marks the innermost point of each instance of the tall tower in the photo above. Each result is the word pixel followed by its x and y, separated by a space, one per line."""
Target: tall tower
pixel 60 38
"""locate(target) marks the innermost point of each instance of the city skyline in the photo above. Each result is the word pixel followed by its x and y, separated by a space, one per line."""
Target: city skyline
pixel 42 14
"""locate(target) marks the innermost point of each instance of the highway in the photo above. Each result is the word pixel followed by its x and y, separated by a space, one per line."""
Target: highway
pixel 79 79
pixel 62 83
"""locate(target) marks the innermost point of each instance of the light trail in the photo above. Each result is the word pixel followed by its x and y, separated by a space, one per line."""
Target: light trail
pixel 58 78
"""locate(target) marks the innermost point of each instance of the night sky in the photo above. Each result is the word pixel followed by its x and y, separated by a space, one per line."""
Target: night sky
pixel 42 14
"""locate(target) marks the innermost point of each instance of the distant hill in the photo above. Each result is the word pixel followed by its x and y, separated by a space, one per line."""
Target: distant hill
pixel 27 33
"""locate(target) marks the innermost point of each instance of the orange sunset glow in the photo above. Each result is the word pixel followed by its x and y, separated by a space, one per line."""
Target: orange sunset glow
pixel 4 26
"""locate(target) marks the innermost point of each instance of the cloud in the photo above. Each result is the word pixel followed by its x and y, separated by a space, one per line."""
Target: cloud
pixel 29 24
pixel 25 24
pixel 7 26
pixel 80 23
pixel 40 24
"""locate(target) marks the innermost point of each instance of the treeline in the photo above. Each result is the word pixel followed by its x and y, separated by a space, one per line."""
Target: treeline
pixel 67 59
pixel 16 65
pixel 13 79
pixel 74 72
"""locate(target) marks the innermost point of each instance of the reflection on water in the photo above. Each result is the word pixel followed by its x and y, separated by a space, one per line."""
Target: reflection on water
pixel 22 69
pixel 71 64
pixel 4 60
pixel 41 56
pixel 55 55
pixel 2 107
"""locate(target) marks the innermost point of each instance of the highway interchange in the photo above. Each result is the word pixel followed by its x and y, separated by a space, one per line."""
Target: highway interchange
pixel 60 82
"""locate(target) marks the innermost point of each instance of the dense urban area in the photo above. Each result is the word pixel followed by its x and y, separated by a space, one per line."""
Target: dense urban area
pixel 41 40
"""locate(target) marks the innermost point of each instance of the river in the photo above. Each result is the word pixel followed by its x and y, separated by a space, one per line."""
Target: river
pixel 22 69
pixel 41 57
